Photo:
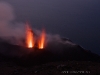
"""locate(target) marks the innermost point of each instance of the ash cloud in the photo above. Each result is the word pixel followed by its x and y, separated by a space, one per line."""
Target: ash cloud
pixel 6 16
pixel 8 26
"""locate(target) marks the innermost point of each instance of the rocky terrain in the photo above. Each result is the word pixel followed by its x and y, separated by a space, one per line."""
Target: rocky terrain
pixel 52 68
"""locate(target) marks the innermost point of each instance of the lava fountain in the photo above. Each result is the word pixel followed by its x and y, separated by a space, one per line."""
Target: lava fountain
pixel 32 41
pixel 29 37
pixel 41 41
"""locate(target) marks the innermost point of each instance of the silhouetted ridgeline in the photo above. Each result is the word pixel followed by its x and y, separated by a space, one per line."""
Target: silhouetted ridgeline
pixel 19 54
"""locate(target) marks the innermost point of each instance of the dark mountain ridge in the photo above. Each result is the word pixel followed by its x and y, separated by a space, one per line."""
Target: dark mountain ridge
pixel 25 56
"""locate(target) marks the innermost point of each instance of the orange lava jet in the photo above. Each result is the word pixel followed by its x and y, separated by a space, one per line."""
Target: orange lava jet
pixel 41 40
pixel 29 37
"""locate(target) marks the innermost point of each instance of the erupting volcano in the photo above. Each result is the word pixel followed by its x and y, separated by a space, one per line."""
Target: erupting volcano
pixel 29 37
pixel 42 40
pixel 31 40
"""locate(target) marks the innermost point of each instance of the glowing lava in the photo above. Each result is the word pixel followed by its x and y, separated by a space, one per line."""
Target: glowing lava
pixel 32 41
pixel 41 40
pixel 29 37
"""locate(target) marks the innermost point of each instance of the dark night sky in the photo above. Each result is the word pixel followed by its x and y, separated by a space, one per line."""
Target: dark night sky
pixel 74 19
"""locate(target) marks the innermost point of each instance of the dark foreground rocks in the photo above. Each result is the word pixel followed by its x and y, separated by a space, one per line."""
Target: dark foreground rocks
pixel 52 68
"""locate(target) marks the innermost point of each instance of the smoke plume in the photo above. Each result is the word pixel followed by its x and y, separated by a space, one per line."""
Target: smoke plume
pixel 8 26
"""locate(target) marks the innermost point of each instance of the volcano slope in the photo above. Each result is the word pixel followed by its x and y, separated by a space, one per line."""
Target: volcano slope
pixel 66 57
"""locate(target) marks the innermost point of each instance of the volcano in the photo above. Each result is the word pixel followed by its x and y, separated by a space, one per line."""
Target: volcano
pixel 31 56
pixel 50 60
pixel 42 49
pixel 39 49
